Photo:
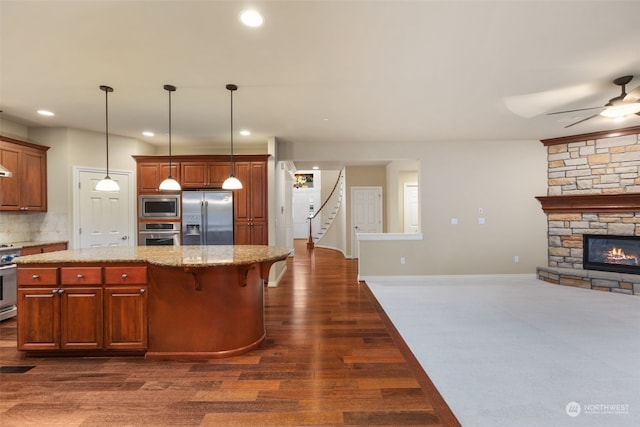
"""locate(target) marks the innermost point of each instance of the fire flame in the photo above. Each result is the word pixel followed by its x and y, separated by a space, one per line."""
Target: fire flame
pixel 617 254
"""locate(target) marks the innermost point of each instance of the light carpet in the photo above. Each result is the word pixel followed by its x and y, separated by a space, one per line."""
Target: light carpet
pixel 511 350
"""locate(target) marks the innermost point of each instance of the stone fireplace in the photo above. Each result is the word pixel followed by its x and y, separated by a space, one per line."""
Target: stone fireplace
pixel 593 190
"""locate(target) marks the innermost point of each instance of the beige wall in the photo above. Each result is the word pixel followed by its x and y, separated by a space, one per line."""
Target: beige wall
pixel 458 179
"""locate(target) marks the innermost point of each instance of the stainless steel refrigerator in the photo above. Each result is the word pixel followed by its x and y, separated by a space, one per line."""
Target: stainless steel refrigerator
pixel 207 217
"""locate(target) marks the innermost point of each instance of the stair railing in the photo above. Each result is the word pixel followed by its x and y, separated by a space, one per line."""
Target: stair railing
pixel 310 243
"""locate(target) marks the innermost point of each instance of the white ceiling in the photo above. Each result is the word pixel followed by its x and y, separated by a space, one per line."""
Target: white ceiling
pixel 316 71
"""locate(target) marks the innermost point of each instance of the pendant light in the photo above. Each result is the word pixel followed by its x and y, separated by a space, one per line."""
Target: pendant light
pixel 170 184
pixel 107 184
pixel 231 183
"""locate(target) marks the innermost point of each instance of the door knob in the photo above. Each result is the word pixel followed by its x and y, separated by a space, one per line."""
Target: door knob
pixel 125 237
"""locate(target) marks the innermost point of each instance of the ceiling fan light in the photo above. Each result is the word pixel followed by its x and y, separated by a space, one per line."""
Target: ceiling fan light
pixel 621 109
pixel 232 183
pixel 107 184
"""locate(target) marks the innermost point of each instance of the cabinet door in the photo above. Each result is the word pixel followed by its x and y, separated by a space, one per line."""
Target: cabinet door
pixel 250 204
pixel 194 174
pixel 258 171
pixel 34 180
pixel 125 317
pixel 9 187
pixel 218 172
pixel 38 318
pixel 241 199
pixel 150 175
pixel 81 318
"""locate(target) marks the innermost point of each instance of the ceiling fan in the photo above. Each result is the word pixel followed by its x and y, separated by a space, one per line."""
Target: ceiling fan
pixel 620 106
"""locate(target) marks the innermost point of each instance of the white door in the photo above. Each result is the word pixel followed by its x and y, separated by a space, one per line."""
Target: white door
pixel 411 211
pixel 366 213
pixel 104 218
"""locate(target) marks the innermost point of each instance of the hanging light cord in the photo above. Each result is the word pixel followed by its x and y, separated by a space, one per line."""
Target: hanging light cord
pixel 106 89
pixel 232 174
pixel 170 176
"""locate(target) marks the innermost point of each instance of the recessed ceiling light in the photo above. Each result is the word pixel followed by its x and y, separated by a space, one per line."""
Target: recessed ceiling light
pixel 45 113
pixel 148 133
pixel 245 132
pixel 251 18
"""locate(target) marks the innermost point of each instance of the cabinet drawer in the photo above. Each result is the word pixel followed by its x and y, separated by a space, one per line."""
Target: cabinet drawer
pixel 81 275
pixel 125 275
pixel 37 276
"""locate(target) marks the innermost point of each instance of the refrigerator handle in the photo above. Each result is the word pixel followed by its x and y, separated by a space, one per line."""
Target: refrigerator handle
pixel 205 222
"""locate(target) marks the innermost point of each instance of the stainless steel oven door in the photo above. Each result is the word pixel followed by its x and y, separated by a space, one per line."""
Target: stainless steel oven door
pixel 8 291
pixel 159 238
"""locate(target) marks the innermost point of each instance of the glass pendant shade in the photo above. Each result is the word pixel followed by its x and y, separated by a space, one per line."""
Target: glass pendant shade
pixel 170 184
pixel 107 184
pixel 232 183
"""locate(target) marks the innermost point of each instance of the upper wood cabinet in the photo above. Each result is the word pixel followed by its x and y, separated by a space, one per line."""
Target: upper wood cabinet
pixel 26 189
pixel 204 174
pixel 152 173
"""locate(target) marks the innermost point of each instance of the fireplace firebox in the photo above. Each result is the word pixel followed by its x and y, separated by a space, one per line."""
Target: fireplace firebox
pixel 611 253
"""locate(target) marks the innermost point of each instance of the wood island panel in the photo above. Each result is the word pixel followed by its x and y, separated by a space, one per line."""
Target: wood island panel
pixel 205 312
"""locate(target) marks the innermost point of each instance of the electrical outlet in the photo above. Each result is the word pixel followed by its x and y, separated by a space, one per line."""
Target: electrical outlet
pixel 402 260
pixel 516 258
pixel 454 221
pixel 481 221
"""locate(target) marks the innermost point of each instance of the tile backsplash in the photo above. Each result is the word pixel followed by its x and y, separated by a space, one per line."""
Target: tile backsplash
pixel 33 227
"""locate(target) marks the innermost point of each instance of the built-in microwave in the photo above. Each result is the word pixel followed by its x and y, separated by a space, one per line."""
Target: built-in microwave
pixel 159 206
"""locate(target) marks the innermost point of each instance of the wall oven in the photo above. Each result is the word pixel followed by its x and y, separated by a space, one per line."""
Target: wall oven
pixel 159 234
pixel 159 206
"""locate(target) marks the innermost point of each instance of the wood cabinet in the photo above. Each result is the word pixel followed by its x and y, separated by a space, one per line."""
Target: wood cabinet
pixel 250 204
pixel 125 308
pixel 151 174
pixel 26 189
pixel 209 174
pixel 44 248
pixel 39 309
pixel 73 308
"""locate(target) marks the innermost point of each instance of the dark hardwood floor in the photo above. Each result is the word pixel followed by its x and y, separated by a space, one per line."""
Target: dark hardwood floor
pixel 332 358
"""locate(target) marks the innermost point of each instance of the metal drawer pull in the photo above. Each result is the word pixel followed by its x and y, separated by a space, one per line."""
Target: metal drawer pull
pixel 124 275
pixel 55 291
pixel 142 291
pixel 60 291
pixel 35 277
pixel 79 276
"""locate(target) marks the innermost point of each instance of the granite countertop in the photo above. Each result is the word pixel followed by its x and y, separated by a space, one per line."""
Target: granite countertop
pixel 168 256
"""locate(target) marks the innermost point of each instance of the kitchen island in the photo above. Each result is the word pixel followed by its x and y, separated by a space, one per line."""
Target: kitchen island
pixel 160 301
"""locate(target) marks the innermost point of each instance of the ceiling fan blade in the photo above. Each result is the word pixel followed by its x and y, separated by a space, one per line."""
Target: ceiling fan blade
pixel 583 120
pixel 634 95
pixel 572 111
